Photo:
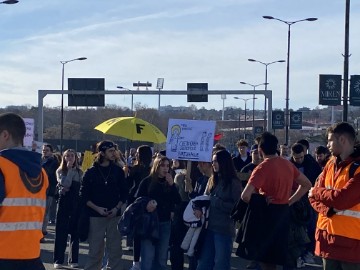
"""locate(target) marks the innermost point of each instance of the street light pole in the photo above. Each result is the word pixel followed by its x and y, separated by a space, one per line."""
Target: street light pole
pixel 346 62
pixel 245 123
pixel 289 24
pixel 266 82
pixel 132 96
pixel 62 98
pixel 223 97
pixel 253 109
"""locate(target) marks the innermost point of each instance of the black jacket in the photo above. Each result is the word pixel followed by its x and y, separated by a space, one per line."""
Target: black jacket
pixel 239 163
pixel 103 193
pixel 166 196
pixel 311 168
pixel 50 165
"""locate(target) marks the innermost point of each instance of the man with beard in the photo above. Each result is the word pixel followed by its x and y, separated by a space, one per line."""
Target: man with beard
pixel 103 190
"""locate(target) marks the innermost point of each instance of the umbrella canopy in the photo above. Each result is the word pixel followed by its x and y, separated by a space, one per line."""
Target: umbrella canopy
pixel 132 128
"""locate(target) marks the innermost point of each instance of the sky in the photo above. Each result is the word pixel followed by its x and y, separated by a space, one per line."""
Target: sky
pixel 181 41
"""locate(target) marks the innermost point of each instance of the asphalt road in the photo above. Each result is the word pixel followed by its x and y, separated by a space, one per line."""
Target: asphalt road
pixel 48 247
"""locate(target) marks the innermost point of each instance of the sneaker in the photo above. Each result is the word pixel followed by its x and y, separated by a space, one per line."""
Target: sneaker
pixel 74 265
pixel 308 258
pixel 58 265
pixel 252 265
pixel 300 263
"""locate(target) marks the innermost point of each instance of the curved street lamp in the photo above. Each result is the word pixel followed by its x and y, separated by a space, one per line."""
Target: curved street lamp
pixel 266 82
pixel 132 96
pixel 9 2
pixel 253 106
pixel 62 98
pixel 289 24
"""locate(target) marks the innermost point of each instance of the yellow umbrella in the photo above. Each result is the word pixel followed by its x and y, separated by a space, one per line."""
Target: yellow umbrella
pixel 132 128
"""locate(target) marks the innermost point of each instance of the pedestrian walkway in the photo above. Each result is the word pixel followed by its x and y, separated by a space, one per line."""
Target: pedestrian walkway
pixel 48 247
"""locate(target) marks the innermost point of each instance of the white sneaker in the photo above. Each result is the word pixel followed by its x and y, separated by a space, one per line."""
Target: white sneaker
pixel 135 267
pixel 308 258
pixel 58 265
pixel 74 265
pixel 300 263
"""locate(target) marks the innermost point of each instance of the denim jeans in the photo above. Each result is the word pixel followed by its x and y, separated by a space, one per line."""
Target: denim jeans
pixel 154 255
pixel 330 264
pixel 215 252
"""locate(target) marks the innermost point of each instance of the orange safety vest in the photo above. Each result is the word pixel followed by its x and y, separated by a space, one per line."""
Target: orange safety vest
pixel 346 222
pixel 21 212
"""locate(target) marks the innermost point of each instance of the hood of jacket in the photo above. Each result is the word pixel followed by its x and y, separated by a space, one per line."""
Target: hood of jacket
pixel 27 161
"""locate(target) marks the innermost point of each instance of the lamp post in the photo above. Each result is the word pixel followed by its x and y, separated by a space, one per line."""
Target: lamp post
pixel 245 101
pixel 346 61
pixel 289 24
pixel 223 97
pixel 9 2
pixel 253 109
pixel 266 82
pixel 159 86
pixel 132 96
pixel 62 98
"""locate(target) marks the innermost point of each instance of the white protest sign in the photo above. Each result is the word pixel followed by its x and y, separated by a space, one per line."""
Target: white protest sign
pixel 190 139
pixel 29 135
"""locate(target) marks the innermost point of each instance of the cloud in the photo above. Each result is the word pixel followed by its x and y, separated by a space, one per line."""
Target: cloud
pixel 183 42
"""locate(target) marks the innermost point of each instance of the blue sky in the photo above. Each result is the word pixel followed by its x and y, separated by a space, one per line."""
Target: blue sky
pixel 179 40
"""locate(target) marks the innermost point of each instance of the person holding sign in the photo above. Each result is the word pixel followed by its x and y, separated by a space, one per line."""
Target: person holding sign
pixel 223 188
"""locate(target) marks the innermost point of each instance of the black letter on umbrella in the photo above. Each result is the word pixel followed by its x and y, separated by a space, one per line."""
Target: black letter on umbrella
pixel 139 128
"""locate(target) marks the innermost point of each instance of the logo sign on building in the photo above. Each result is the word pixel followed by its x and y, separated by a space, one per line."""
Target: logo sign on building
pixel 190 139
pixel 258 130
pixel 295 120
pixel 329 89
pixel 355 90
pixel 278 119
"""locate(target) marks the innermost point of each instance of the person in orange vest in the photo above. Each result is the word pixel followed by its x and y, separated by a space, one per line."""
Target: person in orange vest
pixel 336 197
pixel 23 185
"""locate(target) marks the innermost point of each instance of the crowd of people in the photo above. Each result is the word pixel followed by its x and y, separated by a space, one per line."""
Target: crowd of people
pixel 281 204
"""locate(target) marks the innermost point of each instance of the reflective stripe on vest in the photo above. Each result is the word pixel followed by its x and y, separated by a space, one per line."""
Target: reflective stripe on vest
pixel 20 226
pixel 345 223
pixel 349 213
pixel 24 202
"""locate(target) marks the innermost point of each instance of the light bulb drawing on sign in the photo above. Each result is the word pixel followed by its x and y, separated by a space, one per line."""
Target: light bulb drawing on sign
pixel 175 136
